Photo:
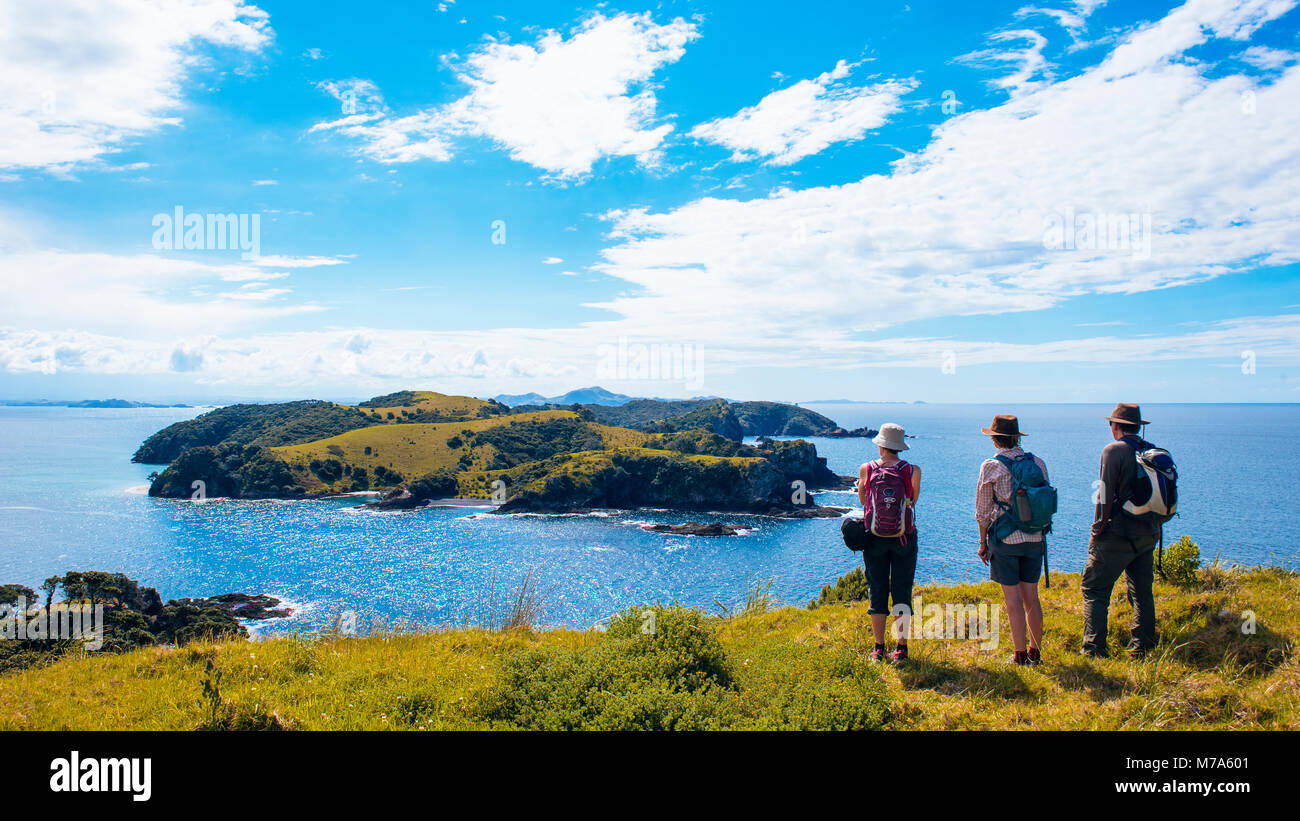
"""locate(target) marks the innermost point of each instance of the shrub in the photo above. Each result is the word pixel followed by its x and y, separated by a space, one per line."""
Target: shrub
pixel 850 587
pixel 811 688
pixel 663 668
pixel 1181 562
pixel 671 676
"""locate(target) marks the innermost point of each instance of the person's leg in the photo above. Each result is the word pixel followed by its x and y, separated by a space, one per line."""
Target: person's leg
pixel 1033 613
pixel 1015 616
pixel 902 572
pixel 876 566
pixel 1105 564
pixel 1139 577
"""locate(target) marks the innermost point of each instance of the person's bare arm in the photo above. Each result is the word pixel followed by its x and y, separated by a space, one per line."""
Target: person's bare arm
pixel 862 485
pixel 916 483
pixel 983 492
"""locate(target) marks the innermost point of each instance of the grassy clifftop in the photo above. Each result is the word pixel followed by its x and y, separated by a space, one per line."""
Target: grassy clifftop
pixel 758 667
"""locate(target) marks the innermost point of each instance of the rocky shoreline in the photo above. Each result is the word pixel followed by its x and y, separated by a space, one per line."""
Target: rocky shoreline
pixel 242 605
pixel 697 529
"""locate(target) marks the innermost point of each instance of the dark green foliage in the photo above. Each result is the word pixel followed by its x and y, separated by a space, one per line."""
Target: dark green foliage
pixel 779 419
pixel 287 423
pixel 10 593
pixel 230 470
pixel 714 415
pixel 663 668
pixel 730 419
pixel 387 476
pixel 670 677
pixel 439 485
pixel 700 441
pixel 455 442
pixel 360 481
pixel 182 623
pixel 1180 562
pixel 328 471
pixel 392 400
pixel 529 441
pixel 632 478
pixel 134 616
pixel 850 587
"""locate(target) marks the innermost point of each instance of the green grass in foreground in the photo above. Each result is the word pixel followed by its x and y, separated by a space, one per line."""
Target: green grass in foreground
pixel 761 668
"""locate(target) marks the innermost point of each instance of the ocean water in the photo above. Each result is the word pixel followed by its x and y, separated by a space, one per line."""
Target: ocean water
pixel 70 499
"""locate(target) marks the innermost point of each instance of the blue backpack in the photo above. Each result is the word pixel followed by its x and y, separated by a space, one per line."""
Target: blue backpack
pixel 1033 501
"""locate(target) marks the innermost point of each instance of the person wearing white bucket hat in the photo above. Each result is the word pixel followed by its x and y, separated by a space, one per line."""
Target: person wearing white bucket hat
pixel 888 488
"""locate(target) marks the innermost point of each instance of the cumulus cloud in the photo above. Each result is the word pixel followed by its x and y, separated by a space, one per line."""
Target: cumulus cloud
pixel 559 104
pixel 805 118
pixel 102 73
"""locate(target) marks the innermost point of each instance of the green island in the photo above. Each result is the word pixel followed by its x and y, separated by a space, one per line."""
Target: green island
pixel 414 447
pixel 758 665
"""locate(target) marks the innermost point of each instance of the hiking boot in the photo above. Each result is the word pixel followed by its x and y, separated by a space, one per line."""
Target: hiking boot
pixel 878 653
pixel 1093 653
pixel 1021 658
pixel 900 653
pixel 1035 658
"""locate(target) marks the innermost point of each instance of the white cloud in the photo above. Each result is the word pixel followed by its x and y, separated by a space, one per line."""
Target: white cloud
pixel 80 78
pixel 1029 68
pixel 1074 19
pixel 277 261
pixel 552 261
pixel 805 118
pixel 558 104
pixel 1268 59
pixel 141 295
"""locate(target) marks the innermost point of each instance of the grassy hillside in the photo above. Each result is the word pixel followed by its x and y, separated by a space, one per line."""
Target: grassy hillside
pixel 785 667
pixel 428 406
pixel 417 449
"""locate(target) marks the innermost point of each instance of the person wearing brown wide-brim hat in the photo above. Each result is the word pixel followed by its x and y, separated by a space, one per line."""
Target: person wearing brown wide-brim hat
pixel 1015 557
pixel 1120 544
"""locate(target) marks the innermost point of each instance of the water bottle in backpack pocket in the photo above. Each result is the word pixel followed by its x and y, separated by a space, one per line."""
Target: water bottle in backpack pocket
pixel 1032 503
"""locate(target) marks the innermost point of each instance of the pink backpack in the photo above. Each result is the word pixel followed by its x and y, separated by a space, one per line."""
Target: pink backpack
pixel 888 512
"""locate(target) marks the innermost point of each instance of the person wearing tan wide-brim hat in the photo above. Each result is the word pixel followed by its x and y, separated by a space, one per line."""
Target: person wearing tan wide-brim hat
pixel 1120 544
pixel 889 561
pixel 1015 557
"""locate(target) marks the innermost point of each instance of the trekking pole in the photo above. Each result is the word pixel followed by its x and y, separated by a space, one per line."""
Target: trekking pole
pixel 1160 555
pixel 1047 573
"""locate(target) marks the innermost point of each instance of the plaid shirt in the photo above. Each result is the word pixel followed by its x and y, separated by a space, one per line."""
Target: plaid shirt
pixel 995 483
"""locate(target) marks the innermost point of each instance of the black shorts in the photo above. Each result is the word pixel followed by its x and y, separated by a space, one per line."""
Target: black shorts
pixel 1013 564
pixel 890 567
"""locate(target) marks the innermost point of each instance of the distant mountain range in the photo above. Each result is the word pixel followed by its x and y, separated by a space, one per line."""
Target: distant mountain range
pixel 580 396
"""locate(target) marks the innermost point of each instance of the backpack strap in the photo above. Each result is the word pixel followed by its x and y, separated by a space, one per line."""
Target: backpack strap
pixel 1007 463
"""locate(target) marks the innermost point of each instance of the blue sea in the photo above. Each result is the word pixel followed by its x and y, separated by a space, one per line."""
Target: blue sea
pixel 70 499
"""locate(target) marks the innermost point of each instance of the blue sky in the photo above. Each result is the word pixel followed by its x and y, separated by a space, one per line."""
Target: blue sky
pixel 753 200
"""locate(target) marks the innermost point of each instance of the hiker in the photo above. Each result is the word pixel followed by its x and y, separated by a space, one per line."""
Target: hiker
pixel 888 488
pixel 1121 542
pixel 1013 506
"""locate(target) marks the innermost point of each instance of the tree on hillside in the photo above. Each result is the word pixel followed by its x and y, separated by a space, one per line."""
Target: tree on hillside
pixel 50 586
